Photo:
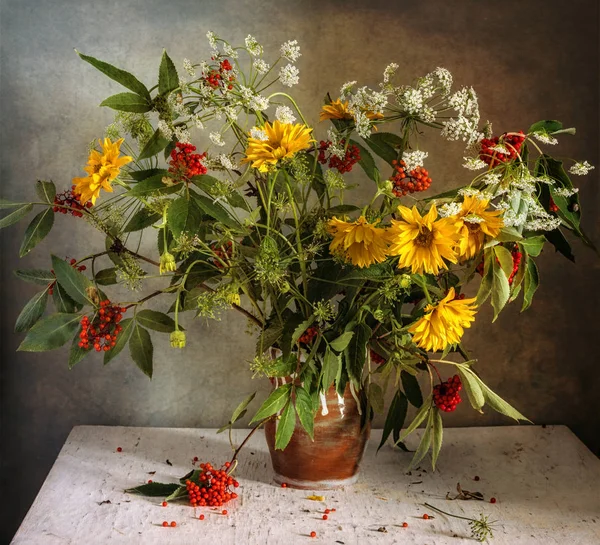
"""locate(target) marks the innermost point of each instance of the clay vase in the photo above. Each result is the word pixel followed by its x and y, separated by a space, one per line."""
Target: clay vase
pixel 332 459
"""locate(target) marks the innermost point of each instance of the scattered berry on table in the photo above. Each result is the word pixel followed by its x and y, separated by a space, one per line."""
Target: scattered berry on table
pixel 164 504
pixel 173 524
pixel 492 500
pixel 426 516
pixel 283 485
pixel 405 525
pixel 313 534
pixel 201 517
pixel 165 524
pixel 119 449
pixel 325 517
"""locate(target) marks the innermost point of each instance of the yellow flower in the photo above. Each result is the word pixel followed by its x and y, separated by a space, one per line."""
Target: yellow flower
pixel 102 168
pixel 177 339
pixel 359 241
pixel 444 323
pixel 422 242
pixel 167 263
pixel 339 110
pixel 283 141
pixel 472 233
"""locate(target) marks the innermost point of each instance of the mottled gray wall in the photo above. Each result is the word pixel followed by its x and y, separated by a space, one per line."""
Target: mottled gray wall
pixel 528 61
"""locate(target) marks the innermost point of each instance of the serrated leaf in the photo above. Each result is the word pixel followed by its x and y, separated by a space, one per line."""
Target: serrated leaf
pixel 418 419
pixel 437 436
pixel 375 395
pixel 268 338
pixel 77 353
pixel 20 212
pixel 299 331
pixel 156 144
pixel 46 191
pixel 531 283
pixel 154 489
pixel 168 80
pixel 122 340
pixel 241 408
pixel 139 175
pixel 36 231
pixel 367 162
pixel 183 216
pixel 107 277
pixel 35 276
pixel 285 427
pixel 32 311
pixel 505 259
pixel 412 390
pixel 152 186
pixel 304 408
pixel 141 349
pixel 533 245
pixel 340 343
pixel 50 333
pixel 215 210
pixel 383 144
pixel 157 321
pixel 471 384
pixel 127 102
pixel 120 76
pixel 395 418
pixel 274 403
pixel 141 219
pixel 332 363
pixel 424 444
pixel 74 283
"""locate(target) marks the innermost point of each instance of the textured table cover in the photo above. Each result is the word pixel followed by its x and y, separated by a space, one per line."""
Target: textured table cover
pixel 546 482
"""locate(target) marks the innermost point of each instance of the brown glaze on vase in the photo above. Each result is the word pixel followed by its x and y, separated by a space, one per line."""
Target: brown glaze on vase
pixel 332 459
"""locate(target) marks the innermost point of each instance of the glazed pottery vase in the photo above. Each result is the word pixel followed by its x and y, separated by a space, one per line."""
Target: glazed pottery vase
pixel 332 459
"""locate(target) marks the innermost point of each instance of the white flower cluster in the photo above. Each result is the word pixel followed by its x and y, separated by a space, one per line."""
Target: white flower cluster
pixel 165 129
pixel 291 50
pixel 363 104
pixel 226 162
pixel 346 89
pixel 285 115
pixel 470 192
pixel 288 75
pixel 388 75
pixel 216 139
pixel 261 66
pixel 565 192
pixel 212 40
pixel 253 47
pixel 474 163
pixel 414 159
pixel 581 168
pixel 465 125
pixel 182 134
pixel 545 138
pixel 229 51
pixel 336 148
pixel 258 134
pixel 188 67
pixel 449 209
pixel 259 103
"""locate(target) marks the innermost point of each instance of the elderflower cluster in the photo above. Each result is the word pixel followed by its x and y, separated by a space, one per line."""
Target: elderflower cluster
pixel 474 163
pixel 216 139
pixel 261 66
pixel 284 114
pixel 545 138
pixel 465 125
pixel 253 47
pixel 288 75
pixel 581 168
pixel 291 50
pixel 414 159
pixel 258 134
pixel 449 209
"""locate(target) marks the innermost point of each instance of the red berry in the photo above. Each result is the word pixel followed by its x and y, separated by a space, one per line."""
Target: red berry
pixel 492 500
pixel 327 511
pixel 164 504
pixel 165 524
pixel 446 395
pixel 476 478
pixel 405 525
pixel 426 516
pixel 283 485
pixel 313 534
pixel 224 512
pixel 325 517
pixel 201 517
pixel 173 524
pixel 119 449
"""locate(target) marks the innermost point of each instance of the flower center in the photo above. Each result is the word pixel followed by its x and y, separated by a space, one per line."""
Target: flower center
pixel 472 227
pixel 424 238
pixel 279 152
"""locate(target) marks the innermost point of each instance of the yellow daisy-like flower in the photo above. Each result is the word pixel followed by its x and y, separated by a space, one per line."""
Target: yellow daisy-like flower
pixel 423 242
pixel 339 110
pixel 283 141
pixel 472 233
pixel 102 168
pixel 444 323
pixel 359 241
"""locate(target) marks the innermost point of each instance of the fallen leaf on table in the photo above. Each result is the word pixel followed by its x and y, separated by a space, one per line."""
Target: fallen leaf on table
pixel 316 498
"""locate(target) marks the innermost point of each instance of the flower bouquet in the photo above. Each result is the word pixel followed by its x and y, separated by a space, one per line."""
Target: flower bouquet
pixel 349 301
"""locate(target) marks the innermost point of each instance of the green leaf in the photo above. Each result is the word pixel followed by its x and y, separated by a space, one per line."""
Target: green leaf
pixel 157 321
pixel 285 427
pixel 32 311
pixel 383 144
pixel 183 216
pixel 46 191
pixel 500 289
pixel 20 212
pixel 50 333
pixel 141 349
pixel 375 395
pixel 424 444
pixel 560 243
pixel 140 175
pixel 499 405
pixel 9 204
pixel 367 162
pixel 268 338
pixel 36 231
pixel 471 383
pixel 215 211
pixel 422 413
pixel 274 403
pixel 505 259
pixel 74 283
pixel 299 331
pixel 168 80
pixel 241 408
pixel 152 186
pixel 531 283
pixel 179 493
pixel 412 389
pixel 107 277
pixel 356 352
pixel 331 366
pixel 207 183
pixel 76 354
pixel 395 418
pixel 437 432
pixel 156 144
pixel 304 408
pixel 342 209
pixel 154 489
pixel 35 276
pixel 533 245
pixel 340 343
pixel 122 340
pixel 547 125
pixel 127 102
pixel 120 76
pixel 62 301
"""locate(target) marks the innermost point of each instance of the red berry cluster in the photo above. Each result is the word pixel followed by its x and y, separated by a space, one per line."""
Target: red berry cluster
pixel 224 253
pixel 308 336
pixel 342 165
pixel 376 358
pixel 416 180
pixel 446 396
pixel 216 76
pixel 481 267
pixel 512 143
pixel 102 331
pixel 71 199
pixel 552 206
pixel 184 163
pixel 81 268
pixel 213 488
pixel 516 256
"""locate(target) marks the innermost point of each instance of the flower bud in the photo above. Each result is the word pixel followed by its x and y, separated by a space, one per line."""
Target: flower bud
pixel 93 295
pixel 405 281
pixel 167 263
pixel 178 339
